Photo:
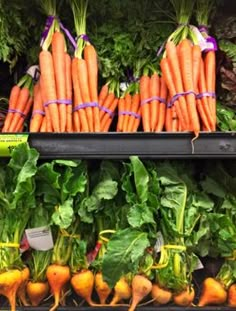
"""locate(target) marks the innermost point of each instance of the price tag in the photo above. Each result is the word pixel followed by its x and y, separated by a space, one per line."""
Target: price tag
pixel 9 141
pixel 40 238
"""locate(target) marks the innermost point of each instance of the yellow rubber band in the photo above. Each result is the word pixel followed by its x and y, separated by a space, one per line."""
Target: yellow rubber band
pixel 164 258
pixel 68 235
pixel 177 247
pixel 10 245
pixel 101 233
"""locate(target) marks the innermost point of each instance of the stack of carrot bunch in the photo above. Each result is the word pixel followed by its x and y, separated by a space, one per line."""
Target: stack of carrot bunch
pixel 153 93
pixel 54 86
pixel 86 114
pixel 19 106
pixel 108 102
pixel 189 76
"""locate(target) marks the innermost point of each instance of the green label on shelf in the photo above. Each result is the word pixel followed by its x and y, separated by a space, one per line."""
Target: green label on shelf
pixel 9 141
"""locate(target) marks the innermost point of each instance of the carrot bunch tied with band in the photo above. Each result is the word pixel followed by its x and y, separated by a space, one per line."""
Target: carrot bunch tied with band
pixel 55 71
pixel 20 103
pixel 108 99
pixel 187 76
pixel 84 75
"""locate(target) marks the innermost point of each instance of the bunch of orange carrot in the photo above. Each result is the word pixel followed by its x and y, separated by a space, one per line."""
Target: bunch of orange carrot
pixel 20 103
pixel 190 81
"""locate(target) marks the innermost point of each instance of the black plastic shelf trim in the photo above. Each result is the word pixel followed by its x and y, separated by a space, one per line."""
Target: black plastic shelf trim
pixel 122 145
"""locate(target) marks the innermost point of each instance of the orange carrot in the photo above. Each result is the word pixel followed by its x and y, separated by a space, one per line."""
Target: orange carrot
pixel 121 108
pixel 43 127
pixel 84 89
pixel 36 292
pixel 175 123
pixel 102 288
pixel 154 105
pixel 68 74
pixel 134 109
pixel 168 119
pixel 37 111
pixel 48 120
pixel 141 287
pixel 186 65
pixel 103 94
pixel 161 296
pixel 107 103
pixel 14 95
pixel 168 78
pixel 162 105
pixel 176 71
pixel 203 110
pixel 59 64
pixel 184 298
pixel 145 107
pixel 122 291
pixel 47 74
pixel 107 118
pixel 127 108
pixel 20 125
pixel 204 99
pixel 213 292
pixel 79 117
pixel 90 56
pixel 210 74
pixel 21 103
pixel 137 121
pixel 57 277
pixel 82 283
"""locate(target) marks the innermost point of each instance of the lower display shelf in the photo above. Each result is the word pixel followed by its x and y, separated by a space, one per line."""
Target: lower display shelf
pixel 122 145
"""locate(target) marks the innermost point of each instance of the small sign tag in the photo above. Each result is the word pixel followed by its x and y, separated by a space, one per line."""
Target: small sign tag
pixel 9 141
pixel 40 238
pixel 159 242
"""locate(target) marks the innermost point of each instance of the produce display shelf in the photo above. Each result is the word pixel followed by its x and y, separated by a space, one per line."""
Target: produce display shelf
pixel 145 145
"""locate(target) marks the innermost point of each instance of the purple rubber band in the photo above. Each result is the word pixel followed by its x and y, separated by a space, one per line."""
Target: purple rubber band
pixel 213 42
pixel 203 28
pixel 41 112
pixel 69 36
pixel 130 113
pixel 111 113
pixel 58 101
pixel 177 96
pixel 64 101
pixel 85 105
pixel 159 51
pixel 148 100
pixel 17 111
pixel 47 27
pixel 84 37
pixel 206 94
pixel 160 99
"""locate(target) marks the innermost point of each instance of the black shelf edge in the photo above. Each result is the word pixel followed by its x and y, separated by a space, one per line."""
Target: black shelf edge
pixel 145 145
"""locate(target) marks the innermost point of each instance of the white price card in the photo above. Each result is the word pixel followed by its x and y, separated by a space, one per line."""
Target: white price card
pixel 40 238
